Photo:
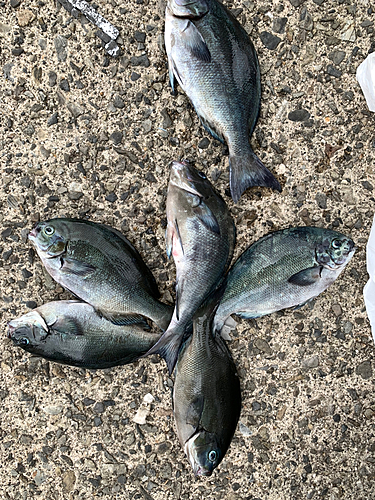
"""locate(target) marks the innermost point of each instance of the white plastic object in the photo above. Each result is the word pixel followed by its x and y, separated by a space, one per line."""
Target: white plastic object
pixel 366 79
pixel 369 289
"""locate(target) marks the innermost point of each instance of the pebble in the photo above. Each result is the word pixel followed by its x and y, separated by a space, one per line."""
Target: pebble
pixel 244 430
pixel 332 71
pixel 31 304
pixel 337 310
pixel 299 115
pixel 204 143
pixel 52 78
pixel 15 3
pixel 99 408
pixel 262 345
pixel 75 109
pixel 147 126
pixel 52 120
pixel 279 24
pixel 312 362
pixel 68 482
pixel 118 102
pixel 337 56
pixel 321 200
pixel 64 85
pixel 116 137
pixel 25 17
pixel 29 130
pixel 167 122
pixel 135 76
pixel 53 410
pixel 348 32
pixel 60 43
pixel 269 40
pixel 140 61
pixel 306 21
pixel 364 370
pixel 111 197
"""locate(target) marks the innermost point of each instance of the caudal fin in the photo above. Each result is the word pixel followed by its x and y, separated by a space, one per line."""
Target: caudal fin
pixel 168 346
pixel 248 171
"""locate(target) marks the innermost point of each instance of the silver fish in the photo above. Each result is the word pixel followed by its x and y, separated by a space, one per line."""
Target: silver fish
pixel 206 396
pixel 100 266
pixel 283 269
pixel 213 59
pixel 71 332
pixel 200 236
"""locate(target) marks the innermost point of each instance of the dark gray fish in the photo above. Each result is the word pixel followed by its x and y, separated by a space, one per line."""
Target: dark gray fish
pixel 283 269
pixel 214 61
pixel 71 332
pixel 206 396
pixel 200 236
pixel 100 266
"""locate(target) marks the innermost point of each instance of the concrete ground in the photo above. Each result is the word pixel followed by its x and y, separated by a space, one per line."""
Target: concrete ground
pixel 87 135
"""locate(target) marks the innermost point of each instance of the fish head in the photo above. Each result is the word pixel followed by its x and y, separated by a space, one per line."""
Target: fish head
pixel 48 238
pixel 28 331
pixel 188 8
pixel 193 182
pixel 204 453
pixel 335 251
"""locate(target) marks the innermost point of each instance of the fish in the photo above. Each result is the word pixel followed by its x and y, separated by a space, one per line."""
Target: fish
pixel 98 265
pixel 72 333
pixel 200 235
pixel 214 61
pixel 284 269
pixel 206 395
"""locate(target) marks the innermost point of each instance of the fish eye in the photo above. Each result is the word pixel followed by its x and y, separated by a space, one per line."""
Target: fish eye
pixel 212 456
pixel 49 230
pixel 24 341
pixel 336 243
pixel 201 174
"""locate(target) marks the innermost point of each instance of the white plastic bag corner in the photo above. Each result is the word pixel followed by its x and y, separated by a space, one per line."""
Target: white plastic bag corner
pixel 366 79
pixel 369 289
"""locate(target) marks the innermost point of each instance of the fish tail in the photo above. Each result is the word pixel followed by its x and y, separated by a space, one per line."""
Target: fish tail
pixel 247 171
pixel 168 347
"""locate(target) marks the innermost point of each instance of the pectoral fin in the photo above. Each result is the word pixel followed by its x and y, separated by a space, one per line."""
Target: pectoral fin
pixel 77 267
pixel 169 240
pixel 194 42
pixel 172 78
pixel 124 319
pixel 306 277
pixel 208 219
pixel 68 327
pixel 194 411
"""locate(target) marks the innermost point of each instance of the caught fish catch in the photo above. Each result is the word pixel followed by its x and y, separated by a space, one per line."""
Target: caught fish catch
pixel 100 266
pixel 283 269
pixel 200 236
pixel 206 396
pixel 214 61
pixel 71 332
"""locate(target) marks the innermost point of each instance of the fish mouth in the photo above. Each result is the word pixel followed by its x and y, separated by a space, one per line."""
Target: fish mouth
pixel 181 176
pixel 32 234
pixel 10 331
pixel 201 471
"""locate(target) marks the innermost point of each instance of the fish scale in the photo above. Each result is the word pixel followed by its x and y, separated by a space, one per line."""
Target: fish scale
pixel 284 269
pixel 100 266
pixel 77 336
pixel 206 395
pixel 200 236
pixel 215 63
